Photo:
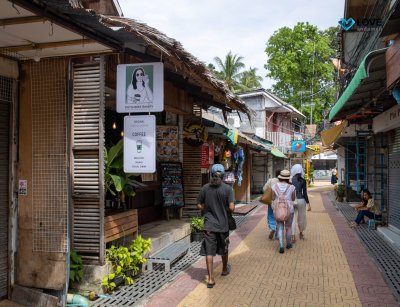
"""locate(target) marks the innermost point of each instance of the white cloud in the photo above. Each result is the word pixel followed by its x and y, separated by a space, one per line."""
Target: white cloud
pixel 212 28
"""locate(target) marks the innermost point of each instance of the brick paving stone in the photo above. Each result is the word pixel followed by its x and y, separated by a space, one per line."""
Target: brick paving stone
pixel 325 269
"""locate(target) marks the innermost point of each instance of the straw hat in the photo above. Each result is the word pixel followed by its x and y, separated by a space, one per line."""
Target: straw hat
pixel 285 174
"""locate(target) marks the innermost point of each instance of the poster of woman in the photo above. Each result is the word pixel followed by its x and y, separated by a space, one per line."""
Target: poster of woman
pixel 140 88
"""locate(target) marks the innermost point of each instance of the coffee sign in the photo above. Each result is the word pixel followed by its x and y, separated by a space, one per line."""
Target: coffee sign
pixel 140 144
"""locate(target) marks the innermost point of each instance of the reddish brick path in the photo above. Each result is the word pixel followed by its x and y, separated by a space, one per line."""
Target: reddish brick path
pixel 177 290
pixel 371 287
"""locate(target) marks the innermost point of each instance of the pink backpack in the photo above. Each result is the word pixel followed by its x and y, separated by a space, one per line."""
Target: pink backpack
pixel 281 210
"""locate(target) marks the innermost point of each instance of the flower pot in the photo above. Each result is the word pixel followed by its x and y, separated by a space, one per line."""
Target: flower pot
pixel 129 272
pixel 197 236
pixel 139 272
pixel 119 280
pixel 340 199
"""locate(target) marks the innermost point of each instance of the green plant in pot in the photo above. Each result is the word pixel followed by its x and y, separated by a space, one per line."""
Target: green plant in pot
pixel 197 225
pixel 139 249
pixel 75 267
pixel 340 192
pixel 117 182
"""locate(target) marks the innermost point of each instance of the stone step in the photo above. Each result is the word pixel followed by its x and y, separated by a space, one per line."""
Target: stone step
pixel 164 233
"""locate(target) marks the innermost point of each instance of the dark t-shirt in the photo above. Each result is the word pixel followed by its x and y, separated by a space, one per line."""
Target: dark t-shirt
pixel 216 201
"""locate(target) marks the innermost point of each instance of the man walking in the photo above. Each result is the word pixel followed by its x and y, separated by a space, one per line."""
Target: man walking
pixel 270 219
pixel 215 200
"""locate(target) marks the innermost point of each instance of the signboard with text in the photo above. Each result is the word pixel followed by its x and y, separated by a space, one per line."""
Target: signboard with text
pixel 140 88
pixel 140 144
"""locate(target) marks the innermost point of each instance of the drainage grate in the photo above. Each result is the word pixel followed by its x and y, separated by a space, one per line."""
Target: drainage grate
pixel 385 255
pixel 151 281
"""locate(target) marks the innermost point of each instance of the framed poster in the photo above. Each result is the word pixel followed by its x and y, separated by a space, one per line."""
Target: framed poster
pixel 140 144
pixel 167 143
pixel 172 184
pixel 140 88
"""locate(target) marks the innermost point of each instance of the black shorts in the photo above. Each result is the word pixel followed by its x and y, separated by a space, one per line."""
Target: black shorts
pixel 215 243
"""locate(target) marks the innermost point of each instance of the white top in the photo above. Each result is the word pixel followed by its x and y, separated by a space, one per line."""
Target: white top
pixel 280 187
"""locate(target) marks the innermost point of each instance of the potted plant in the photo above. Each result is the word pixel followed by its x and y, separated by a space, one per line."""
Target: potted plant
pixel 197 225
pixel 75 267
pixel 117 182
pixel 138 250
pixel 340 192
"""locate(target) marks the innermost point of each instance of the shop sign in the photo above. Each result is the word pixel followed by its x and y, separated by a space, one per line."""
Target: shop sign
pixel 298 146
pixel 387 120
pixel 167 143
pixel 205 156
pixel 140 88
pixel 195 134
pixel 140 144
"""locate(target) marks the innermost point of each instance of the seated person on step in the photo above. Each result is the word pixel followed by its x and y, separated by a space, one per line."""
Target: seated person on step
pixel 370 210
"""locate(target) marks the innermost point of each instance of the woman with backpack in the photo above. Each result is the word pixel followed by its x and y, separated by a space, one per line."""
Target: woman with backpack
pixel 300 216
pixel 283 195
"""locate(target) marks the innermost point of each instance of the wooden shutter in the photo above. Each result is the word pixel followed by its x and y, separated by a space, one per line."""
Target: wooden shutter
pixel 87 160
pixel 191 168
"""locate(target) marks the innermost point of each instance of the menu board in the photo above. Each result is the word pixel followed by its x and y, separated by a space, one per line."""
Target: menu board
pixel 167 143
pixel 172 184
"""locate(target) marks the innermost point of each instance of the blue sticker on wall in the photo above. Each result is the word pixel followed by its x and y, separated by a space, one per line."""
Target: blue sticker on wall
pixel 299 146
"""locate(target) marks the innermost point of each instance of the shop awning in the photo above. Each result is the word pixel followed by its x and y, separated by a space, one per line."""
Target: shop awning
pixel 253 143
pixel 367 83
pixel 277 153
pixel 329 136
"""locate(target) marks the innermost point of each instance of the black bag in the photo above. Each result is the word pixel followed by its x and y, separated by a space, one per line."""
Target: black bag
pixel 231 221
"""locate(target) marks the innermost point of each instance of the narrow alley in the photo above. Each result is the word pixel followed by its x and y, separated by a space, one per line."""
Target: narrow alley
pixel 330 267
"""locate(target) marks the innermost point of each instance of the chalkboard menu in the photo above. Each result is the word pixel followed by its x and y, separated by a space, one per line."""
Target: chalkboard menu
pixel 172 184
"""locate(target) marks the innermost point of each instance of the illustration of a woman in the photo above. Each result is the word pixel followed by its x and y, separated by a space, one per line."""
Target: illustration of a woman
pixel 139 91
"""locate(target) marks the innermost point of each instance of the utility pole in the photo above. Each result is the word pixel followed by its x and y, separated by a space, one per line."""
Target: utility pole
pixel 312 85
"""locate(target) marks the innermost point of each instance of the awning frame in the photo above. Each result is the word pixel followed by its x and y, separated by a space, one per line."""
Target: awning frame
pixel 367 83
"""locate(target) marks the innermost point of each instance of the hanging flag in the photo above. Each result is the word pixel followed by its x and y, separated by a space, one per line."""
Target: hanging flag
pixel 232 136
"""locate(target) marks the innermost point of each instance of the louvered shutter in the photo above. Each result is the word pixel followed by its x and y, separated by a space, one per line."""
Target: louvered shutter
pixel 191 168
pixel 87 160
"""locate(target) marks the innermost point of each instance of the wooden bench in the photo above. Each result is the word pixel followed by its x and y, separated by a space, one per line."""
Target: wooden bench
pixel 168 254
pixel 120 224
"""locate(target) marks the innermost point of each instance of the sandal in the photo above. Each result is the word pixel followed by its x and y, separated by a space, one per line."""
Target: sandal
pixel 228 270
pixel 210 286
pixel 301 236
pixel 293 239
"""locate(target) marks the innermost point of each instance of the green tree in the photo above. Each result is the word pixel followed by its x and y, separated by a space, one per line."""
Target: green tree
pixel 230 69
pixel 248 80
pixel 299 60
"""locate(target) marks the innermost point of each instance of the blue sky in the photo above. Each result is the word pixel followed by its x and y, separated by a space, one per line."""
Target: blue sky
pixel 213 28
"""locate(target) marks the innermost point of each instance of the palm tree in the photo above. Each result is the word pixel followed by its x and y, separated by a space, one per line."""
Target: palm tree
pixel 249 80
pixel 230 68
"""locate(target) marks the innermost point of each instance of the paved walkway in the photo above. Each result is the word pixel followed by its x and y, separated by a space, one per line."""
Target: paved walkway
pixel 328 268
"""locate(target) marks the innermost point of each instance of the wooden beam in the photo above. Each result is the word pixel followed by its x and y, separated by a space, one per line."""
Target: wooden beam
pixel 35 46
pixel 21 20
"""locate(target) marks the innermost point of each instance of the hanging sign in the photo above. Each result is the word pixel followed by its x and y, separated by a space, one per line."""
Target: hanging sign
pixel 140 88
pixel 140 144
pixel 195 134
pixel 298 146
pixel 205 156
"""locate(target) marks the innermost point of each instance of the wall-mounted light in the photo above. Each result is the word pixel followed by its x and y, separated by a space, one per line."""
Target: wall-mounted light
pixel 114 125
pixel 36 57
pixel 122 133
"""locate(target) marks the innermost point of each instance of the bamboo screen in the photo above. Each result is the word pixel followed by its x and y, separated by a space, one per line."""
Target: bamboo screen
pixel 49 155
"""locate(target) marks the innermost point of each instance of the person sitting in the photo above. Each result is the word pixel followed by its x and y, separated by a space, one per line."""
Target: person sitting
pixel 370 210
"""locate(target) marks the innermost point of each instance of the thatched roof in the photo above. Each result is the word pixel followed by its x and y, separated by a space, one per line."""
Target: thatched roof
pixel 178 59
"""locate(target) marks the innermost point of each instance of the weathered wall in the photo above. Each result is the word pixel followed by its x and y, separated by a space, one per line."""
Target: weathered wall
pixel 42 237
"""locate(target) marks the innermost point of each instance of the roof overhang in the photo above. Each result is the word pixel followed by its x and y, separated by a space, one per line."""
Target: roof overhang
pixel 28 35
pixel 366 93
pixel 49 28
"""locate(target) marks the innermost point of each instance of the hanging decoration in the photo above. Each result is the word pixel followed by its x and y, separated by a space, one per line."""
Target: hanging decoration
pixel 232 135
